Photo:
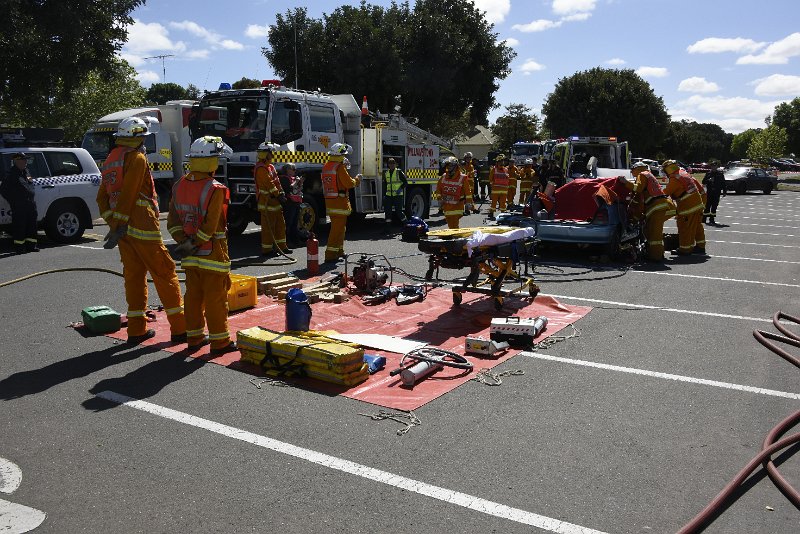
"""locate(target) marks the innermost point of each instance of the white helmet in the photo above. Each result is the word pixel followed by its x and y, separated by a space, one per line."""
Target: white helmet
pixel 209 147
pixel 528 161
pixel 132 127
pixel 268 147
pixel 467 155
pixel 340 149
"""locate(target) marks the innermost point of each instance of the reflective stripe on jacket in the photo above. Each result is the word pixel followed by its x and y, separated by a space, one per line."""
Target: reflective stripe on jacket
pixel 452 189
pixel 393 182
pixel 190 201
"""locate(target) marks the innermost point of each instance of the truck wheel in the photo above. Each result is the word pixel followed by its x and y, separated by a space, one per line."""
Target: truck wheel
pixel 238 219
pixel 417 203
pixel 64 222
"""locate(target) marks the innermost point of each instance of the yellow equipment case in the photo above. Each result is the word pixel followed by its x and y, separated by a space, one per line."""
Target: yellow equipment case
pixel 310 354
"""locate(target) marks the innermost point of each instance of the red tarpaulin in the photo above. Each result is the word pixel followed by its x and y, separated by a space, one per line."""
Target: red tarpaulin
pixel 434 321
pixel 575 201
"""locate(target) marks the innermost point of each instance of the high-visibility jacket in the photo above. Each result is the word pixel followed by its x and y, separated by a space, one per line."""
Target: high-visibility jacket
pixel 700 189
pixel 451 188
pixel 498 178
pixel 394 182
pixel 268 185
pixel 211 229
pixel 128 194
pixel 330 180
pixel 682 189
pixel 191 196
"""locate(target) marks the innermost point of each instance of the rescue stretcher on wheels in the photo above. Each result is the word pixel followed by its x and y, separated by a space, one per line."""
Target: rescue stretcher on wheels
pixel 497 252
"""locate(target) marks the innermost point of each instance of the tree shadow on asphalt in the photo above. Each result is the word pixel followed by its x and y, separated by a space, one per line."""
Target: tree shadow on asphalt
pixel 145 381
pixel 39 380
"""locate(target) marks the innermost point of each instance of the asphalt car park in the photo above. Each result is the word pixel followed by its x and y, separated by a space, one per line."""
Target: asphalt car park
pixel 631 423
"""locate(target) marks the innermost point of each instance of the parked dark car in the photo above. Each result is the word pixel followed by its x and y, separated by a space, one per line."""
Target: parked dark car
pixel 743 179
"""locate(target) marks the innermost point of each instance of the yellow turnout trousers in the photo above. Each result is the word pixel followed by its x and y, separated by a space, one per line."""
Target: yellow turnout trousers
pixel 273 226
pixel 498 199
pixel 453 213
pixel 139 258
pixel 207 303
pixel 655 216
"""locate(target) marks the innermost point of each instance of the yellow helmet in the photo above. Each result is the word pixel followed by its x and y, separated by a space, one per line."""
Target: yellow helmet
pixel 670 166
pixel 500 157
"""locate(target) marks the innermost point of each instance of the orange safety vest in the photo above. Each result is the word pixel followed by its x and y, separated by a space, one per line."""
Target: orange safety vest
pixel 652 187
pixel 500 177
pixel 330 179
pixel 452 189
pixel 687 181
pixel 114 177
pixel 191 199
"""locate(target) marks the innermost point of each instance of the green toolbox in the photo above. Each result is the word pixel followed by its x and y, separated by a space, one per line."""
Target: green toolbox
pixel 101 319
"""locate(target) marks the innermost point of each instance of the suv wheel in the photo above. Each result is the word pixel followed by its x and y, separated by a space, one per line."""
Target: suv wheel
pixel 741 188
pixel 767 189
pixel 64 222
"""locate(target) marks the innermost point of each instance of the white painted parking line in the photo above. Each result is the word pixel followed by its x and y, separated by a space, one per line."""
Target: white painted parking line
pixel 10 476
pixel 754 259
pixel 84 246
pixel 727 231
pixel 754 244
pixel 659 308
pixel 384 477
pixel 16 518
pixel 720 278
pixel 666 376
pixel 762 226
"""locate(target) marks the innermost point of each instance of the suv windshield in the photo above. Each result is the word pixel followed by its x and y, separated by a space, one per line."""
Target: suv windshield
pixel 240 120
pixel 98 144
pixel 738 171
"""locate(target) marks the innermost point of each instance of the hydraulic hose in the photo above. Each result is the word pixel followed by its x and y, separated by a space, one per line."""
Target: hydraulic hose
pixel 772 444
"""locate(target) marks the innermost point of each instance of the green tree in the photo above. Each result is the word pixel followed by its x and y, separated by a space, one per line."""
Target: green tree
pixel 741 143
pixel 518 124
pixel 607 102
pixel 768 143
pixel 247 83
pixel 77 110
pixel 161 93
pixel 441 59
pixel 692 141
pixel 787 115
pixel 50 46
pixel 192 92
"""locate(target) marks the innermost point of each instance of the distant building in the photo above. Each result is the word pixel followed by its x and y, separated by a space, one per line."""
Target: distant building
pixel 479 140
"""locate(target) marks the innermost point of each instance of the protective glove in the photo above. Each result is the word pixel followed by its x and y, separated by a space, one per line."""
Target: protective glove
pixel 186 248
pixel 282 199
pixel 112 238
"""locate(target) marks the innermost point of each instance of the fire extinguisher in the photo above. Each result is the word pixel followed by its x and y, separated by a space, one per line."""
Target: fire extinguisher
pixel 312 254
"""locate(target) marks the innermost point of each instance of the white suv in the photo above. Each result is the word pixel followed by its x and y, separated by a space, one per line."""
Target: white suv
pixel 65 182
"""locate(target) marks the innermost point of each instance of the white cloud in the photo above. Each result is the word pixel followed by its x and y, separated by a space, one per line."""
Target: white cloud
pixel 254 31
pixel 696 84
pixel 531 66
pixel 537 26
pixel 146 38
pixel 715 45
pixel 652 72
pixel 133 60
pixel 777 53
pixel 577 17
pixel 736 126
pixel 197 54
pixel 778 85
pixel 147 76
pixel 511 42
pixel 616 61
pixel 568 7
pixel 213 38
pixel 496 10
pixel 727 107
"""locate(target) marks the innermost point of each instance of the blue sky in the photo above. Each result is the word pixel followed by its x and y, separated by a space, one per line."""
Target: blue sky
pixel 724 62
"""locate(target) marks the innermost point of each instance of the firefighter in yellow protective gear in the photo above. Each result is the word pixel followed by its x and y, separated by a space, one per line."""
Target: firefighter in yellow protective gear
pixel 653 206
pixel 528 181
pixel 453 190
pixel 498 180
pixel 689 209
pixel 198 221
pixel 468 168
pixel 513 178
pixel 128 203
pixel 270 198
pixel 336 182
pixel 700 232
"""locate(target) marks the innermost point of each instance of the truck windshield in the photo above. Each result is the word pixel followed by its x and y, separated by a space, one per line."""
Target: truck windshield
pixel 98 144
pixel 526 150
pixel 240 120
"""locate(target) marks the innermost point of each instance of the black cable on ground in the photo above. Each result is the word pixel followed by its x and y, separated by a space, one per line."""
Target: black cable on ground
pixel 771 444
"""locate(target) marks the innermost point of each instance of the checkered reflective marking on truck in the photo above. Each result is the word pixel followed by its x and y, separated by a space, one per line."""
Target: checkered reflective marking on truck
pixel 422 174
pixel 160 166
pixel 93 179
pixel 287 156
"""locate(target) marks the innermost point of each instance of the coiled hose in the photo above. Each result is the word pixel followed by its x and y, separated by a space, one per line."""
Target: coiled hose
pixel 772 444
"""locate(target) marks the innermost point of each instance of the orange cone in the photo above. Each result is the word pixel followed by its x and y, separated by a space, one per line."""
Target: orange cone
pixel 364 108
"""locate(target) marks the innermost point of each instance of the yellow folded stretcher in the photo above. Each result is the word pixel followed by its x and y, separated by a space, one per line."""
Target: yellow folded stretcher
pixel 494 251
pixel 308 354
